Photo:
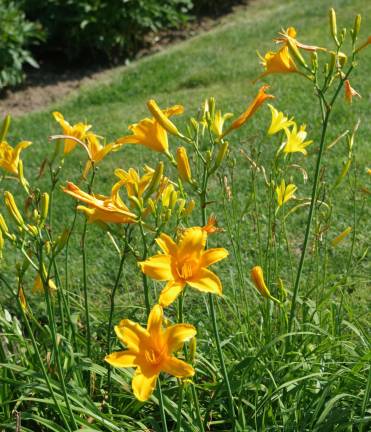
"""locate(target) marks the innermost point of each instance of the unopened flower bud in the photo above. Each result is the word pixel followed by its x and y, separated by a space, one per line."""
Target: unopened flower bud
pixel 338 239
pixel 333 25
pixel 189 208
pixel 221 154
pixel 2 242
pixel 44 209
pixel 61 241
pixel 3 225
pixel 356 27
pixel 5 127
pixel 156 179
pixel 13 209
pixel 162 119
pixel 294 51
pixel 184 169
pixel 192 350
pixel 258 280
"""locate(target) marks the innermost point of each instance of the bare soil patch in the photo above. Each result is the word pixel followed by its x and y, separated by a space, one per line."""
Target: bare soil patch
pixel 48 84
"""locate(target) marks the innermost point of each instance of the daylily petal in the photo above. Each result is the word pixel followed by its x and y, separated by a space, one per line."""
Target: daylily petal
pixel 192 241
pixel 177 334
pixel 170 292
pixel 212 256
pixel 154 324
pixel 122 359
pixel 178 368
pixel 167 244
pixel 133 335
pixel 143 385
pixel 206 281
pixel 157 267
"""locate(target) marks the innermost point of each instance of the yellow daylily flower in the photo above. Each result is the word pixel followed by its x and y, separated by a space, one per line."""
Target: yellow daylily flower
pixel 338 239
pixel 218 122
pixel 296 140
pixel 184 263
pixel 279 121
pixel 150 133
pixel 277 62
pixel 150 351
pixel 96 151
pixel 350 92
pixel 10 157
pixel 260 98
pixel 101 208
pixel 285 193
pixel 79 131
pixel 257 277
pixel 290 35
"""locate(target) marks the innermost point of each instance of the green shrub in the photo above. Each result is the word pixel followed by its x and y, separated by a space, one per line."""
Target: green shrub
pixel 16 35
pixel 102 29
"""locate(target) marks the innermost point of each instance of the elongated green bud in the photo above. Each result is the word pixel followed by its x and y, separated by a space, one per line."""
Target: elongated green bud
pixel 5 127
pixel 44 209
pixel 294 51
pixel 13 209
pixel 161 118
pixel 156 179
pixel 184 169
pixel 356 27
pixel 212 106
pixel 332 63
pixel 3 225
pixel 333 25
pixel 62 240
pixel 2 242
pixel 192 350
pixel 221 154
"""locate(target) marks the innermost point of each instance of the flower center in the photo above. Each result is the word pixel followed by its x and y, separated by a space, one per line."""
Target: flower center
pixel 187 268
pixel 154 356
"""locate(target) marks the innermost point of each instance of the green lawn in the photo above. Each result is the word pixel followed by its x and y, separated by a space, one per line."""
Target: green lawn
pixel 223 63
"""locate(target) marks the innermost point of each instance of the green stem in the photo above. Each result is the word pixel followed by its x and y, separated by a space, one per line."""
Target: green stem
pixel 326 111
pixel 180 405
pixel 54 335
pixel 162 406
pixel 212 310
pixel 144 277
pixel 197 407
pixel 109 329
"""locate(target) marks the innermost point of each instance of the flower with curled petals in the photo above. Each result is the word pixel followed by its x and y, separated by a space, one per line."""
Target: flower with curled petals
pixel 277 62
pixel 296 140
pixel 10 157
pixel 184 263
pixel 151 350
pixel 350 92
pixel 79 131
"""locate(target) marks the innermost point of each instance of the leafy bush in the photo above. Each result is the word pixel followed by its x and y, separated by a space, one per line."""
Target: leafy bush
pixel 16 35
pixel 82 29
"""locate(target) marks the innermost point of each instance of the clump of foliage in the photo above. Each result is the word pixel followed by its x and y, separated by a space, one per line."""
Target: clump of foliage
pixel 17 34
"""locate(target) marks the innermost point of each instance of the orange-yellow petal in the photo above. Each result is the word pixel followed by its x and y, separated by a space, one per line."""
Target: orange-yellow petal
pixel 192 242
pixel 143 385
pixel 154 324
pixel 133 335
pixel 178 368
pixel 158 267
pixel 167 244
pixel 177 334
pixel 212 256
pixel 170 292
pixel 206 281
pixel 122 359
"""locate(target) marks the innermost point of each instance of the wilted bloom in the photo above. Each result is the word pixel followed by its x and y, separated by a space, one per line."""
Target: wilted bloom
pixel 184 263
pixel 212 225
pixel 150 133
pixel 38 286
pixel 290 35
pixel 296 140
pixel 9 156
pixel 260 98
pixel 350 92
pixel 364 45
pixel 258 280
pixel 279 121
pixel 218 122
pixel 277 62
pixel 338 239
pixel 151 350
pixel 101 208
pixel 78 131
pixel 184 169
pixel 285 193
pixel 96 151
